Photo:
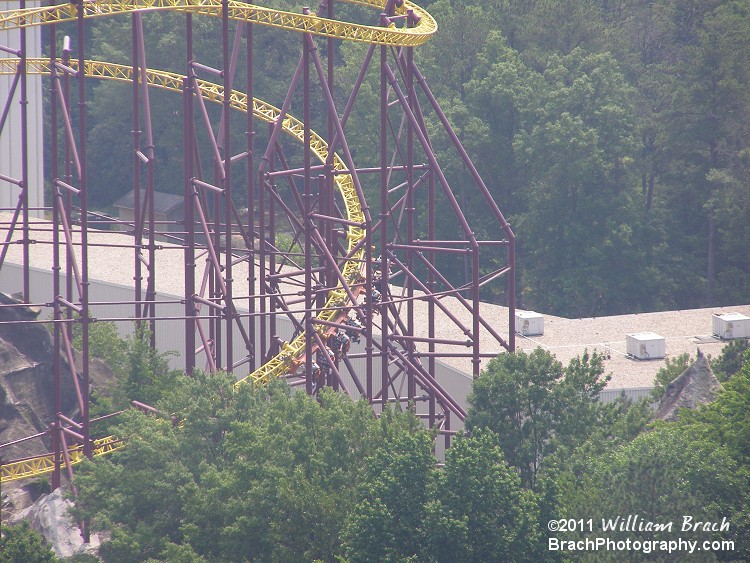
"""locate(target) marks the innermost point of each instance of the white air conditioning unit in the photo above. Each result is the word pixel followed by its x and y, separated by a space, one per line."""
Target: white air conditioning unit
pixel 529 323
pixel 731 325
pixel 645 345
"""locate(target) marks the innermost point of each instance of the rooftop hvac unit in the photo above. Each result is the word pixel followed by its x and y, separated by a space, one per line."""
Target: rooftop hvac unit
pixel 645 345
pixel 529 323
pixel 731 325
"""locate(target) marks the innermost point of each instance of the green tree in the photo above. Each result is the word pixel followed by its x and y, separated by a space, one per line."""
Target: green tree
pixel 726 420
pixel 662 476
pixel 255 474
pixel 142 373
pixel 393 494
pixel 707 148
pixel 673 367
pixel 580 229
pixel 481 511
pixel 733 358
pixel 535 405
pixel 20 544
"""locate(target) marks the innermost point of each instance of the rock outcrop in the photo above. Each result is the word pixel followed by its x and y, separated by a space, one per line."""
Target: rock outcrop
pixel 50 517
pixel 27 392
pixel 696 386
pixel 27 401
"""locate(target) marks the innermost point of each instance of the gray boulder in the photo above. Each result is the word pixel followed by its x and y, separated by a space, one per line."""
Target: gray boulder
pixel 49 516
pixel 696 386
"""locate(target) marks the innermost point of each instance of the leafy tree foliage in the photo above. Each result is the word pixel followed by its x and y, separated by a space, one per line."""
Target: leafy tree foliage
pixel 481 511
pixel 673 367
pixel 662 476
pixel 697 466
pixel 733 358
pixel 534 405
pixel 143 374
pixel 265 474
pixel 20 544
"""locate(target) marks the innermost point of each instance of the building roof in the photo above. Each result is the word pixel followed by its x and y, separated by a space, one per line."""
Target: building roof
pixel 163 202
pixel 684 331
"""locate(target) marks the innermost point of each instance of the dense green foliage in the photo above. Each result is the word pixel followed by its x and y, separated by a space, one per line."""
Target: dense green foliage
pixel 534 405
pixel 673 367
pixel 268 475
pixel 698 466
pixel 614 135
pixel 239 474
pixel 20 544
pixel 733 356
pixel 141 373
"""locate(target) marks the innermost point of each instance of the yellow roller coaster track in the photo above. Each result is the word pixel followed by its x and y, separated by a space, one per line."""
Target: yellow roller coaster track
pixel 40 465
pixel 292 353
pixel 240 11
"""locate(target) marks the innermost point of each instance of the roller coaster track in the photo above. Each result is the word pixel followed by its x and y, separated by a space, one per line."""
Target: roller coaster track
pixel 292 354
pixel 240 11
pixel 43 464
pixel 337 302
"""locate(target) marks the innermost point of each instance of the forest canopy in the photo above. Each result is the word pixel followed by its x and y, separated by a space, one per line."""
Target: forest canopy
pixel 614 135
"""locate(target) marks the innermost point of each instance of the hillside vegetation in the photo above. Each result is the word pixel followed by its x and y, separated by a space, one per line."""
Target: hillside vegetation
pixel 615 136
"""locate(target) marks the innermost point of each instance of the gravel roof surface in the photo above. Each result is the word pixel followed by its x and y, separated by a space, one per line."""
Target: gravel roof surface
pixel 684 331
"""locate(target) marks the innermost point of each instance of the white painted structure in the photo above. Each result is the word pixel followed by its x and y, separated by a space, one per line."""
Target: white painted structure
pixel 645 345
pixel 731 325
pixel 529 323
pixel 170 334
pixel 11 161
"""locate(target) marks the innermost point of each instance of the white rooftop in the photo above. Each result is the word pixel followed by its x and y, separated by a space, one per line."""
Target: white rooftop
pixel 684 331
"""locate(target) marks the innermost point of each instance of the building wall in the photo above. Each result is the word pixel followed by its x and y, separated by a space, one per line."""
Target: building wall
pixel 170 335
pixel 10 137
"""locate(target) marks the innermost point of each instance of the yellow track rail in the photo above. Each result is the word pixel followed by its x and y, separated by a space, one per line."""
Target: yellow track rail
pixel 240 11
pixel 40 465
pixel 292 353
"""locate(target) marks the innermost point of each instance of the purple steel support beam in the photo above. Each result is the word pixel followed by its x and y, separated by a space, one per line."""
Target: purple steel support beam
pixel 430 384
pixel 149 308
pixel 189 246
pixel 410 211
pixel 273 197
pixel 12 91
pixel 262 244
pixel 215 268
pixel 85 317
pixel 458 212
pixel 251 189
pixel 355 378
pixel 229 76
pixel 488 198
pixel 225 128
pixel 430 298
pixel 25 168
pixel 323 228
pixel 431 156
pixel 70 154
pixel 136 132
pixel 335 374
pixel 384 364
pixel 55 442
pixel 436 273
pixel 307 199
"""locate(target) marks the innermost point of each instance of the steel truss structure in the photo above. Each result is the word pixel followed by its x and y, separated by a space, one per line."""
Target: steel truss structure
pixel 352 272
